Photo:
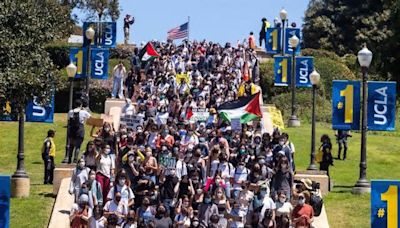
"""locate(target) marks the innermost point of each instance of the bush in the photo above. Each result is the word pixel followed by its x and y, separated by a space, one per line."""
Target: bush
pixel 304 106
pixel 59 54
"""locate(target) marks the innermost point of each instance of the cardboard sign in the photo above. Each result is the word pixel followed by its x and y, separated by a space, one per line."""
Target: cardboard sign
pixel 200 114
pixel 131 121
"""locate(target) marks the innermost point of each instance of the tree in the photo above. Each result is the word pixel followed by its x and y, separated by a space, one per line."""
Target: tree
pixel 343 26
pixel 107 8
pixel 26 71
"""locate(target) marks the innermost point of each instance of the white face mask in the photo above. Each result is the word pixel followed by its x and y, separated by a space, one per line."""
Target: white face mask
pixel 302 201
pixel 282 200
pixel 92 177
pixel 81 165
pixel 281 143
pixel 107 151
pixel 131 158
pixel 121 182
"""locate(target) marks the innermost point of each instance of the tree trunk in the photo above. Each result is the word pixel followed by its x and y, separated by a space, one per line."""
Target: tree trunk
pixel 20 172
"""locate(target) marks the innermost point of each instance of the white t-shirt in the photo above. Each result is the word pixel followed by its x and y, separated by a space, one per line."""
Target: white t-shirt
pixel 284 208
pixel 126 193
pixel 185 219
pixel 83 114
pixel 226 168
pixel 121 208
pixel 268 203
pixel 240 175
pixel 97 223
pixel 105 165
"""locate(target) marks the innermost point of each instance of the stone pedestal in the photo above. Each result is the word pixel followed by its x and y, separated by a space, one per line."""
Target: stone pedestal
pixel 317 176
pixel 113 103
pixel 20 187
pixel 64 171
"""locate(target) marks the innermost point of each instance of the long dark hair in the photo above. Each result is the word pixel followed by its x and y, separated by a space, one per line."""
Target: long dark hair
pixel 325 139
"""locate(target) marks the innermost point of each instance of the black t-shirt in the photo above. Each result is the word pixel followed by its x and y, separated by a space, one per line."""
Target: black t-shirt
pixel 168 187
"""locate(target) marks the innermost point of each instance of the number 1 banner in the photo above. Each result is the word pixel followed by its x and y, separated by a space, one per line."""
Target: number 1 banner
pixel 346 105
pixel 385 203
pixel 273 37
pixel 381 106
pixel 78 57
pixel 282 70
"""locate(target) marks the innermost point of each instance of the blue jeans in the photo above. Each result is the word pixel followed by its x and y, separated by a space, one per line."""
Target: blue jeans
pixel 118 87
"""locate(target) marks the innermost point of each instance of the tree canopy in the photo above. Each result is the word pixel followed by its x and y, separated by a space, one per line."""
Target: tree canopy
pixel 343 26
pixel 102 8
pixel 26 71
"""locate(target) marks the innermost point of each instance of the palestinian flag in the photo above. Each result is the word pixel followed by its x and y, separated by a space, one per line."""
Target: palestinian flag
pixel 245 108
pixel 148 53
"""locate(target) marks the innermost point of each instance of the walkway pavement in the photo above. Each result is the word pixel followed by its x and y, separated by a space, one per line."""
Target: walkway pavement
pixel 322 220
pixel 62 206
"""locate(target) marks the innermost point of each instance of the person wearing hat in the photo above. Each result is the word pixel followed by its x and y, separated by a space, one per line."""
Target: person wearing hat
pixel 48 154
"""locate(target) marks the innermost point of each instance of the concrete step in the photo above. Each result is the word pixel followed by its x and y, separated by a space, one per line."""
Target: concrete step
pixel 322 220
pixel 62 206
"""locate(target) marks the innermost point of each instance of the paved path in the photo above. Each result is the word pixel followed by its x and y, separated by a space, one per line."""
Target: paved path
pixel 322 220
pixel 62 206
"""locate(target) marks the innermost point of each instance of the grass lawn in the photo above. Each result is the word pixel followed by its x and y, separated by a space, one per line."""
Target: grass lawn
pixel 343 208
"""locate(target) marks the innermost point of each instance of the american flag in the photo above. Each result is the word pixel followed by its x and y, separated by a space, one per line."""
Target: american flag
pixel 179 32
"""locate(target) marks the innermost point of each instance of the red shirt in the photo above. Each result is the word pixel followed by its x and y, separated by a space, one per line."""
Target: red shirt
pixel 305 210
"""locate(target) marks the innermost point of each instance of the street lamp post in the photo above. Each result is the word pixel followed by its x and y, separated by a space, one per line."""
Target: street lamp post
pixel 283 16
pixel 89 33
pixel 71 71
pixel 293 121
pixel 363 186
pixel 314 78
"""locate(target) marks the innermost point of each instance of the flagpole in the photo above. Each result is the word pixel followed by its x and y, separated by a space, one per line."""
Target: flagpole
pixel 188 27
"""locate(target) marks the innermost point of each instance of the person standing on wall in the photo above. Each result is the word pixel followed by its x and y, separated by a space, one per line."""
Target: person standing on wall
pixel 48 154
pixel 263 35
pixel 128 21
pixel 341 138
pixel 119 74
pixel 77 118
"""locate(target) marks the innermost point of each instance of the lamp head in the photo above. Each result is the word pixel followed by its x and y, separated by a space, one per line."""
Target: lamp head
pixel 89 33
pixel 315 77
pixel 71 70
pixel 283 14
pixel 364 57
pixel 294 41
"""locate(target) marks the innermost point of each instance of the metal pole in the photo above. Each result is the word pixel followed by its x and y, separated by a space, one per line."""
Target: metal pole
pixel 293 121
pixel 312 165
pixel 283 37
pixel 88 74
pixel 363 184
pixel 71 97
pixel 20 172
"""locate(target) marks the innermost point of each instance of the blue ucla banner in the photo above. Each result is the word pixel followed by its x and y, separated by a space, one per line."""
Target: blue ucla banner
pixel 273 37
pixel 99 63
pixel 109 36
pixel 289 32
pixel 304 67
pixel 385 203
pixel 346 105
pixel 79 57
pixel 5 196
pixel 381 106
pixel 8 113
pixel 37 113
pixel 282 70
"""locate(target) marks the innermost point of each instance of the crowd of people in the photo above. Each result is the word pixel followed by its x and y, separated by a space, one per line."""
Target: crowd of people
pixel 171 171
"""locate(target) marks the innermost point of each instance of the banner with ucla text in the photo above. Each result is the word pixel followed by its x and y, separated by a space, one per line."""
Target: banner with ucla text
pixel 108 33
pixel 38 113
pixel 78 56
pixel 273 37
pixel 385 203
pixel 289 32
pixel 381 106
pixel 346 105
pixel 304 67
pixel 282 70
pixel 99 63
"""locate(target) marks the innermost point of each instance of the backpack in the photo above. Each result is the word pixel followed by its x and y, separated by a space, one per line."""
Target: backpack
pixel 74 124
pixel 316 203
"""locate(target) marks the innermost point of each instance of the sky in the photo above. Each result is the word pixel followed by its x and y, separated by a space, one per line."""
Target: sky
pixel 216 20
